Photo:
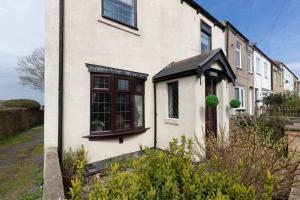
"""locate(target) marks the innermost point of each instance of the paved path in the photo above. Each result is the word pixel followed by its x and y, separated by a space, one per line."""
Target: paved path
pixel 21 165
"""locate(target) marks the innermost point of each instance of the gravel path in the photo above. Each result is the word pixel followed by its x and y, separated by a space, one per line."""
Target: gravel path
pixel 21 165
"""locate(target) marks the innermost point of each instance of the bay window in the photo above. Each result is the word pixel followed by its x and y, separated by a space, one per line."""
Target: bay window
pixel 117 104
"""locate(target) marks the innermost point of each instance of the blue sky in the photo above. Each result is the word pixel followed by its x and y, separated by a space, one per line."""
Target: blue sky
pixel 273 24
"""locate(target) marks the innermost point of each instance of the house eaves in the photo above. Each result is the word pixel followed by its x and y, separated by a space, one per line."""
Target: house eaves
pixel 234 29
pixel 196 65
pixel 204 12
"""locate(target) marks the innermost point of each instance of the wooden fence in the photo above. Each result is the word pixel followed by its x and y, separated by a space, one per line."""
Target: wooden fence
pixel 277 111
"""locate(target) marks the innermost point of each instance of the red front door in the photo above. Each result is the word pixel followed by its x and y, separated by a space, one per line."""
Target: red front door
pixel 210 112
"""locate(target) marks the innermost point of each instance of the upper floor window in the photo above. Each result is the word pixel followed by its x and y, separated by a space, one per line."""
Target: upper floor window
pixel 238 54
pixel 258 65
pixel 275 77
pixel 173 99
pixel 250 62
pixel 117 104
pixel 121 11
pixel 266 70
pixel 205 37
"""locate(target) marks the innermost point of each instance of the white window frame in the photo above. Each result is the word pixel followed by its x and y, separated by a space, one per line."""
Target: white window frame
pixel 240 54
pixel 242 98
pixel 257 64
pixel 250 62
pixel 266 70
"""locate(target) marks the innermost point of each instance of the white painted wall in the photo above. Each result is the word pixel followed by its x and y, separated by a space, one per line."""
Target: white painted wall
pixel 51 72
pixel 262 82
pixel 191 121
pixel 168 31
pixel 168 128
pixel 288 80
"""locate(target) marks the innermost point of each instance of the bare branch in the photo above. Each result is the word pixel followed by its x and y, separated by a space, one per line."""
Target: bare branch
pixel 31 69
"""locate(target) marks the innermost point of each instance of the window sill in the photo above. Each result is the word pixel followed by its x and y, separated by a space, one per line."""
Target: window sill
pixel 239 67
pixel 172 121
pixel 117 25
pixel 115 135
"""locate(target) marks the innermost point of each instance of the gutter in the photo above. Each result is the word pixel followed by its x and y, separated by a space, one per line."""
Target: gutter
pixel 155 116
pixel 60 79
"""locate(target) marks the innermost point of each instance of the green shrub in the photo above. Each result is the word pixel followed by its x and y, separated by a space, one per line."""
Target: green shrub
pixel 22 103
pixel 72 161
pixel 235 103
pixel 212 101
pixel 170 174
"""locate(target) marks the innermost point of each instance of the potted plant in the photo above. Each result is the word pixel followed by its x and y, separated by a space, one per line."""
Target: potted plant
pixel 235 103
pixel 212 101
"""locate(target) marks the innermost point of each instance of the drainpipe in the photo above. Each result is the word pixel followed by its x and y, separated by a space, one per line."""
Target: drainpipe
pixel 226 42
pixel 61 79
pixel 155 116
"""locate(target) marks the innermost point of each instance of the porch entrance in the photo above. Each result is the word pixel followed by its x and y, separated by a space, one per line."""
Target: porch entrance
pixel 210 112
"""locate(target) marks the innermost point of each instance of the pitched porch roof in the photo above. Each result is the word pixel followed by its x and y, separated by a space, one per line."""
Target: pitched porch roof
pixel 196 65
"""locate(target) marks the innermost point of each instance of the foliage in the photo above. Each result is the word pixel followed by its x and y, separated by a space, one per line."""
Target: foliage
pixel 286 99
pixel 31 69
pixel 171 174
pixel 235 103
pixel 212 101
pixel 73 161
pixel 22 103
pixel 274 126
pixel 264 155
pixel 76 189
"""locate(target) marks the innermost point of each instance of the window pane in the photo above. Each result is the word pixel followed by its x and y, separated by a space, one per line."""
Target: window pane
pixel 120 10
pixel 257 65
pixel 139 108
pixel 100 112
pixel 123 84
pixel 173 100
pixel 101 82
pixel 242 97
pixel 238 55
pixel 237 93
pixel 123 111
pixel 139 86
pixel 205 42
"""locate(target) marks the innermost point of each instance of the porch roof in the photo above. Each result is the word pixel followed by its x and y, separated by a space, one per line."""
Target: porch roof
pixel 196 65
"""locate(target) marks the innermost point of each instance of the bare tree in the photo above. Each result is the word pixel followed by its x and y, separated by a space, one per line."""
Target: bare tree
pixel 31 69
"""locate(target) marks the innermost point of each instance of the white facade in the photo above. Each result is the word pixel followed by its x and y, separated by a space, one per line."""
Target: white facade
pixel 288 79
pixel 262 77
pixel 168 30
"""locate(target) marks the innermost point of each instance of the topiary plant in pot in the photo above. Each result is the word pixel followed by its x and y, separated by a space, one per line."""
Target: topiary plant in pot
pixel 235 103
pixel 212 101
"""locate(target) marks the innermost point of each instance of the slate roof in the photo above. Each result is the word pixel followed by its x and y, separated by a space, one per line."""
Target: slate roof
pixel 191 66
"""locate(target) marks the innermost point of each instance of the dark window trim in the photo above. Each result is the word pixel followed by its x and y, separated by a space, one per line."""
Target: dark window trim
pixel 169 114
pixel 113 91
pixel 135 27
pixel 209 34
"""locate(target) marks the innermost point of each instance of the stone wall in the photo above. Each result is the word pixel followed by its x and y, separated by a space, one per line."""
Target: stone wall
pixel 53 185
pixel 293 132
pixel 15 120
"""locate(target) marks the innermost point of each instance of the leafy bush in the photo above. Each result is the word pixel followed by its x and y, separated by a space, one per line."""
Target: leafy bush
pixel 235 103
pixel 247 166
pixel 22 103
pixel 169 174
pixel 72 163
pixel 212 100
pixel 286 99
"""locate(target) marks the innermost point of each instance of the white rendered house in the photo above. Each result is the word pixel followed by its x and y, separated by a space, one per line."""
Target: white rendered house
pixel 121 74
pixel 262 78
